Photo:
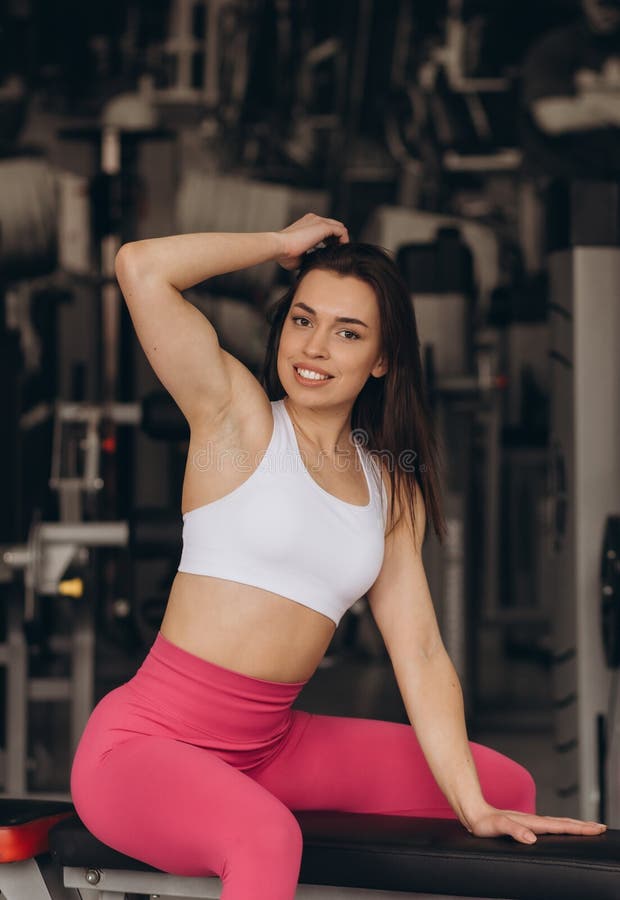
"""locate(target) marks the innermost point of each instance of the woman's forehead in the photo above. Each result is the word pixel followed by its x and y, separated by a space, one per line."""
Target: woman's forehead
pixel 327 290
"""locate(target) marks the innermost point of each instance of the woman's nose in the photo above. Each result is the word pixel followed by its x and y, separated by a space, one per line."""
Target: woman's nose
pixel 316 342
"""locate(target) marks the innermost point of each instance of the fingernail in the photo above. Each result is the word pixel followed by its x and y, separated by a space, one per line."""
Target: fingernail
pixel 531 840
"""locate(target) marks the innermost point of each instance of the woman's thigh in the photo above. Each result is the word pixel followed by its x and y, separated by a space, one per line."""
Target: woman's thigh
pixel 182 809
pixel 368 765
pixel 143 782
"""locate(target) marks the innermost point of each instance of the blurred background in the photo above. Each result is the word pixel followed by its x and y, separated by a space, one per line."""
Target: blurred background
pixel 478 142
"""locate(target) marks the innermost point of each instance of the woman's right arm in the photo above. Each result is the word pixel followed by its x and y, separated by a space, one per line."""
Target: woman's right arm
pixel 179 341
pixel 184 260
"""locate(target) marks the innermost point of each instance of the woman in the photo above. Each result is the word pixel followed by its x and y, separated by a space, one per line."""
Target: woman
pixel 195 764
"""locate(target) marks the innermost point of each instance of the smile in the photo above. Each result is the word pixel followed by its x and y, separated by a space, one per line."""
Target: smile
pixel 309 376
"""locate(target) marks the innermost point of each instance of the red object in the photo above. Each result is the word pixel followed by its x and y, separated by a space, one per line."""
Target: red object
pixel 18 842
pixel 108 445
pixel 501 381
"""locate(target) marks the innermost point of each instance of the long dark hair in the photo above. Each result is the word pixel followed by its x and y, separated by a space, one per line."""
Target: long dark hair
pixel 392 412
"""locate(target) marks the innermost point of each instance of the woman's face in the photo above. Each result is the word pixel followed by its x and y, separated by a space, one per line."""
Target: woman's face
pixel 316 339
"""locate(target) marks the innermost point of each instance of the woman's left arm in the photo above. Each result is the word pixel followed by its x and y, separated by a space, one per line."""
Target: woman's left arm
pixel 402 607
pixel 432 695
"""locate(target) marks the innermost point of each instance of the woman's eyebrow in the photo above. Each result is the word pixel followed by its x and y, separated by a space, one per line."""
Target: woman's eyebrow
pixel 337 319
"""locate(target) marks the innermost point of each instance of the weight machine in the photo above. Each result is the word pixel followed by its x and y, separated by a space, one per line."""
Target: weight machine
pixel 584 490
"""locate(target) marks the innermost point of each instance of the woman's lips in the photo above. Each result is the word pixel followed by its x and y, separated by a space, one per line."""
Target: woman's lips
pixel 310 382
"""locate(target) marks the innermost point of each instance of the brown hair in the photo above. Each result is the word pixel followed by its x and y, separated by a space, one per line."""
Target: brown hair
pixel 392 411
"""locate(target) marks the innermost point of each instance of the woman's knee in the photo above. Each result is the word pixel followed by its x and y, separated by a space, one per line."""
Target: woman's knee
pixel 264 862
pixel 269 853
pixel 277 838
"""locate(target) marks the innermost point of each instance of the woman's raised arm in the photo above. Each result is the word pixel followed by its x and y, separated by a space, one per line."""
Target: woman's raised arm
pixel 180 343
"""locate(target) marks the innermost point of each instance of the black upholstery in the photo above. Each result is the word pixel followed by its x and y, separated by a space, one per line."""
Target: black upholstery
pixel 414 854
pixel 21 812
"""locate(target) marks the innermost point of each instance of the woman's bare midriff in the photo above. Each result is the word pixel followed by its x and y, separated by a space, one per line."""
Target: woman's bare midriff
pixel 246 629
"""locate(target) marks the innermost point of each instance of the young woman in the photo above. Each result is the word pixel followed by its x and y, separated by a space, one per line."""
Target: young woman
pixel 195 764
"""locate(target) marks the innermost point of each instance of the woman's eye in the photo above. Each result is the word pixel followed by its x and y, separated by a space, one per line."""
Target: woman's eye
pixel 355 335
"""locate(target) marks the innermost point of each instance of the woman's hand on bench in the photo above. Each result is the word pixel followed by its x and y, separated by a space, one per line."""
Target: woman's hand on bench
pixel 524 827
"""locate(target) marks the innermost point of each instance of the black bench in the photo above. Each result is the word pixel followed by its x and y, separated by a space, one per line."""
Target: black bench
pixel 387 856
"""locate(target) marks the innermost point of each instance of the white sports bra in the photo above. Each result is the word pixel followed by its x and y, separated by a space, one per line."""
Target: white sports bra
pixel 281 531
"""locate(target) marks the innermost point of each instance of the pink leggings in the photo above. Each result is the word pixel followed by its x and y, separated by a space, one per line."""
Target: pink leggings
pixel 194 769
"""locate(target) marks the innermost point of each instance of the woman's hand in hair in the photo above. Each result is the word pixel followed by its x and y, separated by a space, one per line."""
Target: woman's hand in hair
pixel 304 235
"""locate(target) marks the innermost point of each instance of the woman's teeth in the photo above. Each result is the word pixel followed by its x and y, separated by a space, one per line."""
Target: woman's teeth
pixel 308 373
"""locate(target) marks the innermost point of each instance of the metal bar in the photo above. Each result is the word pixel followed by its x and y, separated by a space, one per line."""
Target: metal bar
pixel 16 701
pixel 136 882
pixel 21 880
pixel 34 795
pixel 116 881
pixel 89 534
pixel 49 689
pixel 82 670
pixel 492 508
pixel 211 49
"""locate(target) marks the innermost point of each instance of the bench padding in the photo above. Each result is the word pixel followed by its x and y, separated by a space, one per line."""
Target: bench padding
pixel 398 853
pixel 24 826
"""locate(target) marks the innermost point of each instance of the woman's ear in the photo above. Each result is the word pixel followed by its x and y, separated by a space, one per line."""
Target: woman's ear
pixel 380 367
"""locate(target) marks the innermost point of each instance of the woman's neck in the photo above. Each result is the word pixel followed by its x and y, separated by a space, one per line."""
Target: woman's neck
pixel 323 440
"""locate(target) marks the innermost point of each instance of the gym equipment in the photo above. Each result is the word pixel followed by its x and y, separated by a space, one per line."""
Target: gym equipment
pixel 440 120
pixel 54 547
pixel 26 869
pixel 610 621
pixel 441 257
pixel 51 548
pixel 27 217
pixel 113 194
pixel 610 591
pixel 393 226
pixel 584 489
pixel 344 855
pixel 207 55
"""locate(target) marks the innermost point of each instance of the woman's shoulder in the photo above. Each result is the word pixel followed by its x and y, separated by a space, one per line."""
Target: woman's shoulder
pixel 399 503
